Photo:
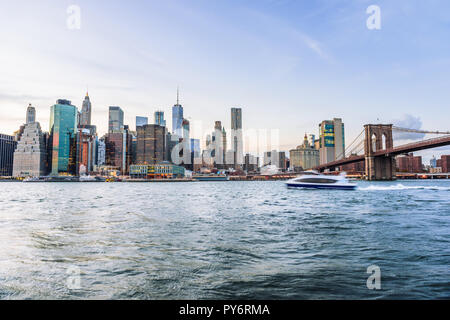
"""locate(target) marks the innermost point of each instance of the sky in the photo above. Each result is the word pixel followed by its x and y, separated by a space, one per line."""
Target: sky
pixel 287 64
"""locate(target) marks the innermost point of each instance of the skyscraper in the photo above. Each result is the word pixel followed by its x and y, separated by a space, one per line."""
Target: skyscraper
pixel 159 118
pixel 151 144
pixel 85 116
pixel 63 126
pixel 177 118
pixel 332 140
pixel 31 152
pixel 236 136
pixel 7 147
pixel 141 121
pixel 31 114
pixel 115 124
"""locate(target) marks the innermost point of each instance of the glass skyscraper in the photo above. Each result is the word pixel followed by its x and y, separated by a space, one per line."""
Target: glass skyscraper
pixel 177 120
pixel 115 124
pixel 159 118
pixel 63 126
pixel 141 121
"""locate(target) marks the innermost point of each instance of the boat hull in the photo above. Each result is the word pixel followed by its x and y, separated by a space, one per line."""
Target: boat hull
pixel 315 186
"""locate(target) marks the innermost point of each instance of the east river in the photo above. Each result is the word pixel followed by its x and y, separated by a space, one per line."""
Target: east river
pixel 223 240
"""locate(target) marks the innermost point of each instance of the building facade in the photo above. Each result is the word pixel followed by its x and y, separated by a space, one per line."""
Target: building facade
pixel 31 152
pixel 63 130
pixel 86 110
pixel 31 114
pixel 331 140
pixel 141 121
pixel 151 144
pixel 115 123
pixel 237 142
pixel 409 164
pixel 159 118
pixel 163 170
pixel 7 147
pixel 304 157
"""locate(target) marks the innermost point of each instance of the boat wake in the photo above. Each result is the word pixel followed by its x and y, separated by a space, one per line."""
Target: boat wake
pixel 403 187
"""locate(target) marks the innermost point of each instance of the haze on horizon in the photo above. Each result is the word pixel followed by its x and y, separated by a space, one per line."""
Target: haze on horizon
pixel 288 64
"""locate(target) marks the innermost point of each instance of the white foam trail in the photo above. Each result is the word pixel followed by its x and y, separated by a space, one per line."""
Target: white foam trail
pixel 403 187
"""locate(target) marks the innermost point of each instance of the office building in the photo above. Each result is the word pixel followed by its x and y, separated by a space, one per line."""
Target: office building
pixel 445 163
pixel 275 158
pixel 31 114
pixel 31 152
pixel 251 163
pixel 177 118
pixel 332 140
pixel 115 124
pixel 63 131
pixel 237 136
pixel 163 170
pixel 7 147
pixel 159 118
pixel 151 144
pixel 141 121
pixel 115 151
pixel 304 157
pixel 409 163
pixel 86 110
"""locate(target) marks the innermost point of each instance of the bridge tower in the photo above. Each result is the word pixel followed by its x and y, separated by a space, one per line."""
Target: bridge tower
pixel 378 137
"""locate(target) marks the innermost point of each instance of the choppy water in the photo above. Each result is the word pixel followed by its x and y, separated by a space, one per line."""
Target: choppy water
pixel 223 240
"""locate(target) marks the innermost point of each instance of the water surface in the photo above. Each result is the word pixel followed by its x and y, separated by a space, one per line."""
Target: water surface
pixel 223 240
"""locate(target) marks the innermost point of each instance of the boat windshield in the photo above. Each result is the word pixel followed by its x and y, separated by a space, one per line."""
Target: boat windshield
pixel 316 180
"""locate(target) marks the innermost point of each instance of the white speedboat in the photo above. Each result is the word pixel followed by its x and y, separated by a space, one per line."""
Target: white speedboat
pixel 315 180
pixel 85 178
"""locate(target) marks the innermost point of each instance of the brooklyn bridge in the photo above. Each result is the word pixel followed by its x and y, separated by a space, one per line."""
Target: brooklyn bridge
pixel 375 146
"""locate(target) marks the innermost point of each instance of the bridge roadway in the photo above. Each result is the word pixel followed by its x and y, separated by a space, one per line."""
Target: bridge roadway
pixel 403 149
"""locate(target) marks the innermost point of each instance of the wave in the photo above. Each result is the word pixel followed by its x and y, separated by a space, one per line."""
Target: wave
pixel 403 187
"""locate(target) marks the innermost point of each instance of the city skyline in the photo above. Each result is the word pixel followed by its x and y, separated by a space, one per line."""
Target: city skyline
pixel 287 73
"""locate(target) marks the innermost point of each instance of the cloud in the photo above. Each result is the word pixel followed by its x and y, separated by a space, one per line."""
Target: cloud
pixel 409 122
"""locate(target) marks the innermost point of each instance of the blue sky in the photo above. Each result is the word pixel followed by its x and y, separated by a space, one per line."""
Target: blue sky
pixel 288 64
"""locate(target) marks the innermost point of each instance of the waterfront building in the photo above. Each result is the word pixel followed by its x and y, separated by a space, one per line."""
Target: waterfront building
pixel 86 149
pixel 159 118
pixel 409 163
pixel 151 144
pixel 115 151
pixel 141 121
pixel 7 147
pixel 177 118
pixel 31 114
pixel 237 136
pixel 101 152
pixel 332 140
pixel 304 157
pixel 276 158
pixel 163 170
pixel 196 156
pixel 251 163
pixel 356 167
pixel 219 146
pixel 115 124
pixel 433 162
pixel 63 129
pixel 31 152
pixel 86 110
pixel 445 163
